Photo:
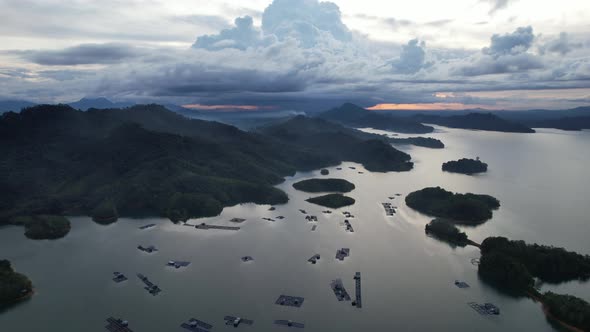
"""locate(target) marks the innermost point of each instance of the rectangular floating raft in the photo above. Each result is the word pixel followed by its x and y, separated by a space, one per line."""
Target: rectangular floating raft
pixel 207 227
pixel 119 277
pixel 147 226
pixel 314 227
pixel 314 259
pixel 461 284
pixel 484 309
pixel 357 279
pixel 342 253
pixel 149 286
pixel 235 321
pixel 291 301
pixel 117 325
pixel 339 290
pixel 196 325
pixel 178 264
pixel 289 323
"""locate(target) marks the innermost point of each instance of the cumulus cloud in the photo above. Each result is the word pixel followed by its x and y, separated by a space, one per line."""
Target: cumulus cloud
pixel 412 58
pixel 516 42
pixel 84 54
pixel 242 36
pixel 507 54
pixel 304 20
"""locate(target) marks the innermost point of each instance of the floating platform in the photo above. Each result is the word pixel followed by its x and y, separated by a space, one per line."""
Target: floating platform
pixel 237 321
pixel 196 325
pixel 347 214
pixel 268 219
pixel 119 277
pixel 351 167
pixel 280 217
pixel 289 323
pixel 357 285
pixel 149 286
pixel 314 227
pixel 314 259
pixel 207 227
pixel 348 226
pixel 272 208
pixel 339 168
pixel 247 259
pixel 237 220
pixel 178 264
pixel 389 209
pixel 484 309
pixel 290 301
pixel 339 290
pixel 342 253
pixel 147 226
pixel 149 249
pixel 311 218
pixel 302 211
pixel 461 284
pixel 327 211
pixel 117 325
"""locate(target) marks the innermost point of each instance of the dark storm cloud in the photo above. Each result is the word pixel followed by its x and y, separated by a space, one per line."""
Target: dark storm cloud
pixel 84 54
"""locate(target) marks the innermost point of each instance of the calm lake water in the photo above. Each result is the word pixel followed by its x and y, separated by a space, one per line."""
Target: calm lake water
pixel 407 278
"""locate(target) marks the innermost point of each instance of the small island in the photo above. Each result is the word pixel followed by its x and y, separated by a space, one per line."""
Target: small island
pixel 44 227
pixel 333 201
pixel 464 209
pixel 465 166
pixel 444 230
pixel 324 185
pixel 13 286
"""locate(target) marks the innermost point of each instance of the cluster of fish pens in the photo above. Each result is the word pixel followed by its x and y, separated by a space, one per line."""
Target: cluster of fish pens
pixel 196 325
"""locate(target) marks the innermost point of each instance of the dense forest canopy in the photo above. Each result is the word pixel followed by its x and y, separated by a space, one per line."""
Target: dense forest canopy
pixel 324 185
pixel 465 166
pixel 445 230
pixel 333 201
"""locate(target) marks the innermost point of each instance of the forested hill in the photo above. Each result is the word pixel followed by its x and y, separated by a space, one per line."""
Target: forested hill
pixel 356 116
pixel 146 160
pixel 477 121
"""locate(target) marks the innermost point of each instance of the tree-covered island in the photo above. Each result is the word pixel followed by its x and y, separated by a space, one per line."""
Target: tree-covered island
pixel 324 185
pixel 464 209
pixel 465 166
pixel 13 286
pixel 333 201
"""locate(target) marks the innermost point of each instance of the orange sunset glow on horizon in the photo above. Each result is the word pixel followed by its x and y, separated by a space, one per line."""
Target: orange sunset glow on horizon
pixel 426 107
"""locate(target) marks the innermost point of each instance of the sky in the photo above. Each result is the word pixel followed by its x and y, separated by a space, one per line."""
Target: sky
pixel 299 54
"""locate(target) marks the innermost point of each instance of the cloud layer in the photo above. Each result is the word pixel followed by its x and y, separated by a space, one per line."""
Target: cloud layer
pixel 300 54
